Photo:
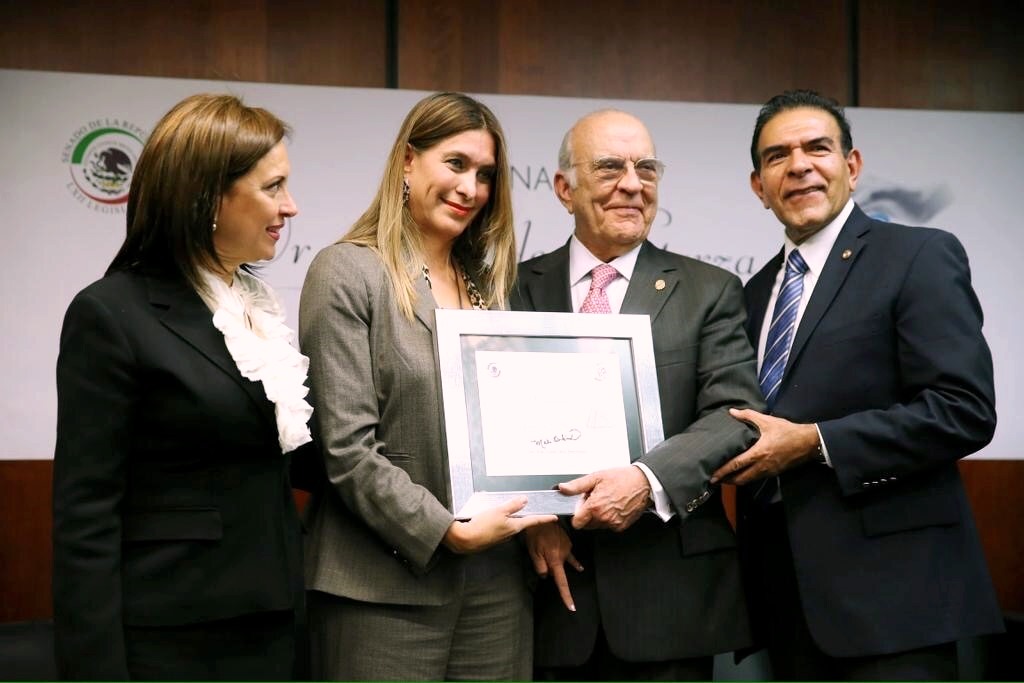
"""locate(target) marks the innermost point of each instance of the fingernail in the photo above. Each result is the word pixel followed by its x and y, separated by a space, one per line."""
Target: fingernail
pixel 714 480
pixel 572 608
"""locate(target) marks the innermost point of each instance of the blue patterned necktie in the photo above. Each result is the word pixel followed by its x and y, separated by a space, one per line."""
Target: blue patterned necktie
pixel 780 333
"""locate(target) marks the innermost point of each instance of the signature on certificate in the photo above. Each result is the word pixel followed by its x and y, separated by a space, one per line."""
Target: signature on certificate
pixel 568 435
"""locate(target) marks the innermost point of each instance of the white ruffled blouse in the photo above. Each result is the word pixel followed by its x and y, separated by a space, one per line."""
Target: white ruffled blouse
pixel 251 318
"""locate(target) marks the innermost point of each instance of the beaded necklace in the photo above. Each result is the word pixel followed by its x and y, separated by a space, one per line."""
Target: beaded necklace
pixel 476 301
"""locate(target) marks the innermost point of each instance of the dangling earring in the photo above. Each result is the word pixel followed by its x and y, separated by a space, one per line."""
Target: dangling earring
pixel 405 190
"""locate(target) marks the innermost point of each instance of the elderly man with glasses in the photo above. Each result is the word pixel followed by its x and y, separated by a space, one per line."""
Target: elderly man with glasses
pixel 652 590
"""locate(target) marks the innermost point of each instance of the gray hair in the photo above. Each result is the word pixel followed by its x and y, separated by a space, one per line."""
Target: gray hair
pixel 565 158
pixel 565 162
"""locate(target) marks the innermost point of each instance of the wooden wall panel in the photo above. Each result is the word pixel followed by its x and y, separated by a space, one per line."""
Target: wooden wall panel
pixel 326 42
pixel 26 554
pixel 451 45
pixel 317 42
pixel 996 489
pixel 943 54
pixel 686 50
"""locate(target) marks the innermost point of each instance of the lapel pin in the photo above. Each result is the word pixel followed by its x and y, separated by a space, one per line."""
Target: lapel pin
pixel 659 284
pixel 847 253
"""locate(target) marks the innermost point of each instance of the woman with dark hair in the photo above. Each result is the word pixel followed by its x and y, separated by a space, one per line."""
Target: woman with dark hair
pixel 177 548
pixel 399 589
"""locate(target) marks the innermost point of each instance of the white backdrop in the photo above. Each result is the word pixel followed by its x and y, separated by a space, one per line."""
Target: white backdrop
pixel 956 170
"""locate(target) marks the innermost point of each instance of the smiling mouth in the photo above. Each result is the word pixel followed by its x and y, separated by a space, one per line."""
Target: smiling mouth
pixel 275 231
pixel 458 208
pixel 804 191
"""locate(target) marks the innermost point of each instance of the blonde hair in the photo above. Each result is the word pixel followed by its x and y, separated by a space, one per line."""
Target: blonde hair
pixel 486 248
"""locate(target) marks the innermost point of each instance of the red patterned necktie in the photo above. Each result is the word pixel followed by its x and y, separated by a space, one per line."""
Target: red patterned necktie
pixel 597 301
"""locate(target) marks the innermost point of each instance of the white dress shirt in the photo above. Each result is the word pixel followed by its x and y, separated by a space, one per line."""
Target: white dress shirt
pixel 581 262
pixel 815 250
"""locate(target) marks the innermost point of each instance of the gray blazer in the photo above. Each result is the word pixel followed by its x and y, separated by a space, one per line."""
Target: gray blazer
pixel 663 590
pixel 375 530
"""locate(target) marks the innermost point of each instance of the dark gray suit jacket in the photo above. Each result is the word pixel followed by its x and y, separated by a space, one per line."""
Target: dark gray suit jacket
pixel 890 361
pixel 663 590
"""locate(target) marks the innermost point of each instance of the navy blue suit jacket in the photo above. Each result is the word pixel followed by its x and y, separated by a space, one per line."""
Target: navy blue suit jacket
pixel 890 361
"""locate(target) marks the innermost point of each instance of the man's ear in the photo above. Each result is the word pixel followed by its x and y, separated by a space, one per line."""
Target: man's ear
pixel 853 164
pixel 755 185
pixel 563 190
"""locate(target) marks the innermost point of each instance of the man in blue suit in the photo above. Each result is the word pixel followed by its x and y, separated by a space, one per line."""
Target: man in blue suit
pixel 861 559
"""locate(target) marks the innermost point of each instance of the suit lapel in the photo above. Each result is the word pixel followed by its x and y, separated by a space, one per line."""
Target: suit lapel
pixel 759 291
pixel 654 279
pixel 549 287
pixel 425 304
pixel 841 259
pixel 185 314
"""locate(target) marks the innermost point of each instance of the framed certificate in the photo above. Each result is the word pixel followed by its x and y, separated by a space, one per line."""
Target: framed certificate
pixel 534 399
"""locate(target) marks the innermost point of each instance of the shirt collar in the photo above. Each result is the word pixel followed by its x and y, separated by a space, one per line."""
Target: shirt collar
pixel 815 249
pixel 581 261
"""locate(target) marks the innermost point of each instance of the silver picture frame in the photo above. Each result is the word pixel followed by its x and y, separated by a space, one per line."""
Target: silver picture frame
pixel 534 399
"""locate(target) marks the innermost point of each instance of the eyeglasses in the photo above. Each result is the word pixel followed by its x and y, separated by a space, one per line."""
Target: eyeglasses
pixel 611 169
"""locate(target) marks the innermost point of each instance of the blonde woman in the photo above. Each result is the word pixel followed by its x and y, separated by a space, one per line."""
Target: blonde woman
pixel 399 589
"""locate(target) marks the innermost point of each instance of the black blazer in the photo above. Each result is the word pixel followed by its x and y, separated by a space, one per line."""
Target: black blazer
pixel 172 501
pixel 663 590
pixel 890 361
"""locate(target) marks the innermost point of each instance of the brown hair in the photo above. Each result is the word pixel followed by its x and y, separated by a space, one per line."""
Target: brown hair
pixel 486 247
pixel 194 154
